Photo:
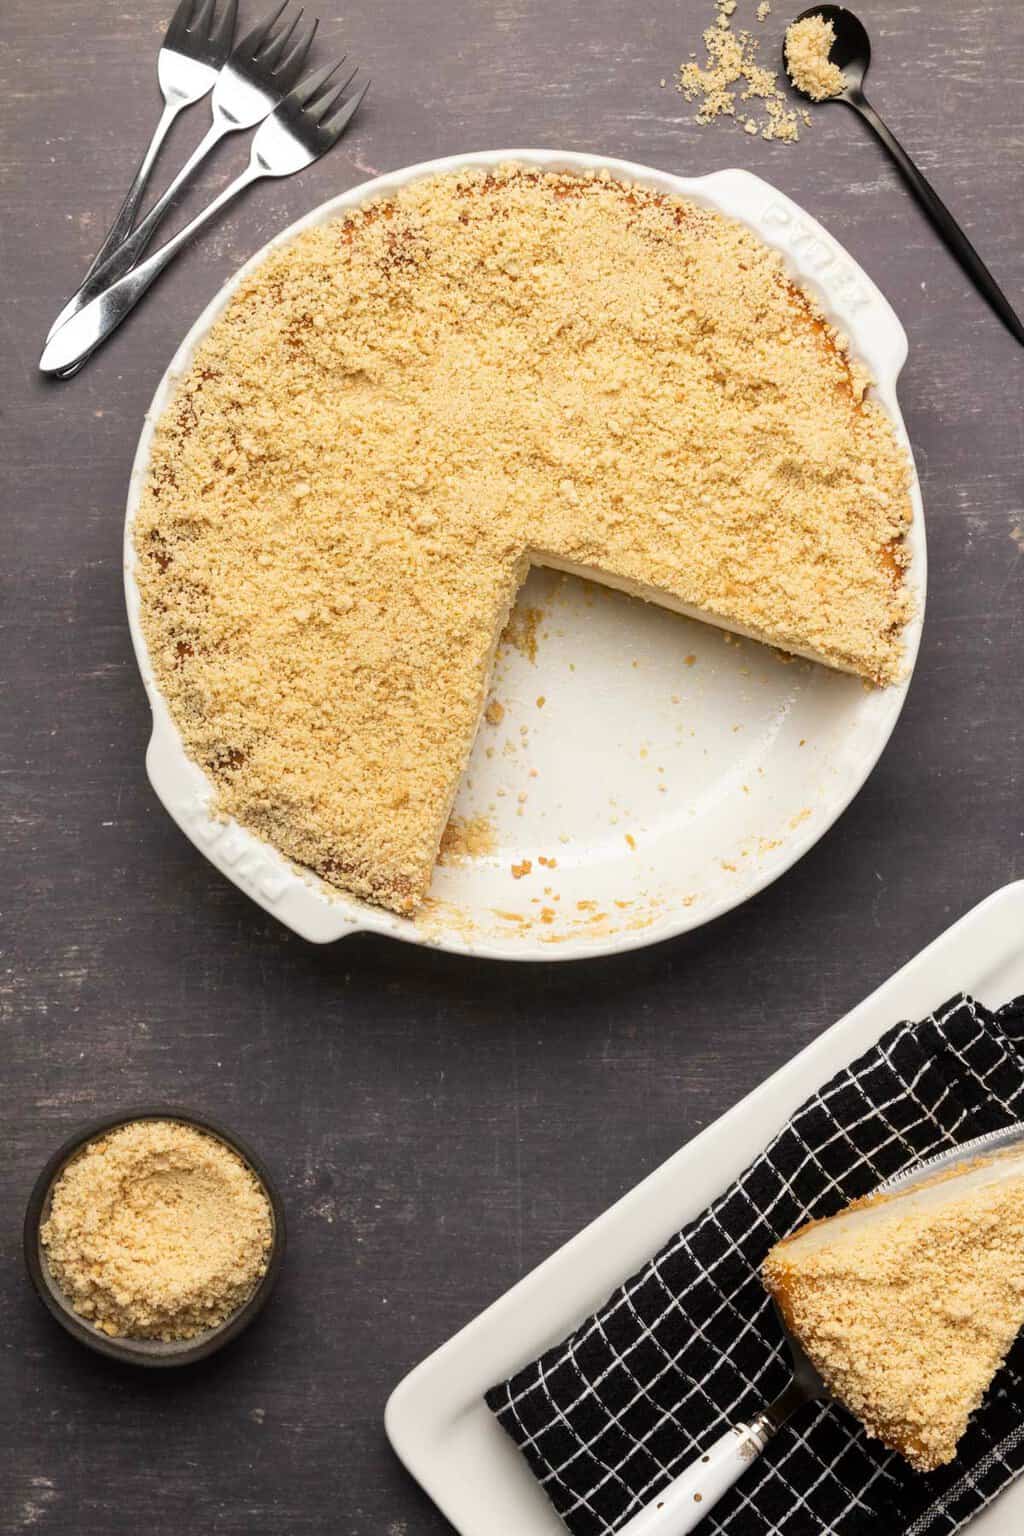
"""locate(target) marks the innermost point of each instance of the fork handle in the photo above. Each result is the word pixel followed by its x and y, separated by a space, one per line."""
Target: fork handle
pixel 125 255
pixel 84 332
pixel 125 216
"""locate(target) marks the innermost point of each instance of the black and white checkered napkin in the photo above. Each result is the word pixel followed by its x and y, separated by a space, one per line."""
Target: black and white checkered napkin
pixel 690 1344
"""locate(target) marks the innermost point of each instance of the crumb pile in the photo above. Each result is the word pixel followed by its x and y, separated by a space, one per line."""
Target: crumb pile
pixel 732 83
pixel 467 838
pixel 400 410
pixel 157 1231
pixel 908 1319
pixel 808 45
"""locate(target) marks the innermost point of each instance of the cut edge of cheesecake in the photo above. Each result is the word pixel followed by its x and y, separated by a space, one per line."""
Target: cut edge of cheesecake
pixel 400 892
pixel 921 1414
pixel 834 660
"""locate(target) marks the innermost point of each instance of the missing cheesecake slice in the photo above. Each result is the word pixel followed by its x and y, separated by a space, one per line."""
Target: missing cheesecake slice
pixel 907 1303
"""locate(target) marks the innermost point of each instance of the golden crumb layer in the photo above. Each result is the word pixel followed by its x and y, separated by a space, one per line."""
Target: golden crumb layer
pixel 157 1231
pixel 400 410
pixel 907 1318
pixel 732 83
pixel 808 45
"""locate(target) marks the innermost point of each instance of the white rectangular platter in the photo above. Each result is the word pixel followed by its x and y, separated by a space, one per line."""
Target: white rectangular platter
pixel 436 1418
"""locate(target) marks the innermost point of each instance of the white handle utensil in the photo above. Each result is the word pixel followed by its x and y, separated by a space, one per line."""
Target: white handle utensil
pixel 685 1502
pixel 682 1505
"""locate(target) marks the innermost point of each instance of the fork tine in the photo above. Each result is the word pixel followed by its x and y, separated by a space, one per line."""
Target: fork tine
pixel 179 23
pixel 328 99
pixel 253 41
pixel 270 54
pixel 290 67
pixel 308 88
pixel 335 126
pixel 225 28
pixel 200 22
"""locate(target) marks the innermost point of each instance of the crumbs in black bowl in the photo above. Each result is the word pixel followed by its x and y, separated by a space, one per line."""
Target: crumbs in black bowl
pixel 157 1230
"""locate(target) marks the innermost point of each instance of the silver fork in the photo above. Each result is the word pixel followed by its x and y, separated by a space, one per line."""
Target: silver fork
pixel 307 123
pixel 256 77
pixel 195 47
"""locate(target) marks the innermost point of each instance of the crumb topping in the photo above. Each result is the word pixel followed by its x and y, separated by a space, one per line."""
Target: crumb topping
pixel 157 1231
pixel 808 45
pixel 466 838
pixel 908 1320
pixel 400 410
pixel 732 83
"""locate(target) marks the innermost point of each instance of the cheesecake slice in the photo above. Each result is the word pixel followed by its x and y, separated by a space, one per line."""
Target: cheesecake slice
pixel 907 1303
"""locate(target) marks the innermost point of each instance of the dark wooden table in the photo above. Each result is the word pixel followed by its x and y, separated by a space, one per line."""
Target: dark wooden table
pixel 438 1125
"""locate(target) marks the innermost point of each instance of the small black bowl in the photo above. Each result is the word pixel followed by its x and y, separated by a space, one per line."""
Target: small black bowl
pixel 152 1352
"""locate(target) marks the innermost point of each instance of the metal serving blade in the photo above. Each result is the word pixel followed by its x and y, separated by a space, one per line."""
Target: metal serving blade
pixel 967 1152
pixel 681 1506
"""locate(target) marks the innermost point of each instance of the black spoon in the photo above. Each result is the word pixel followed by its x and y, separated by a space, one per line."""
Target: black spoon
pixel 852 52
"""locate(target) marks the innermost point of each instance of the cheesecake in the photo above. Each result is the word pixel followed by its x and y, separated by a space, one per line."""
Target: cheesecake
pixel 907 1303
pixel 401 410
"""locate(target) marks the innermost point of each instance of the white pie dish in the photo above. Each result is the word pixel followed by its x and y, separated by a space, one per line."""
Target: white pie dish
pixel 659 793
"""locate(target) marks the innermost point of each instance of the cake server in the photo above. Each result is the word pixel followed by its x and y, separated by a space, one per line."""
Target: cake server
pixel 852 52
pixel 683 1503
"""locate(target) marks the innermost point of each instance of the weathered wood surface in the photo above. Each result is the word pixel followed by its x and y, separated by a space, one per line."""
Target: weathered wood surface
pixel 438 1125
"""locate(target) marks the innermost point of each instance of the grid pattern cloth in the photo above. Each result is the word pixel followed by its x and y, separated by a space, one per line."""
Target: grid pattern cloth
pixel 690 1344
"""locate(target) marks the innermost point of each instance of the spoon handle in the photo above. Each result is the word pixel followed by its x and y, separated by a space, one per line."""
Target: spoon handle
pixel 941 217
